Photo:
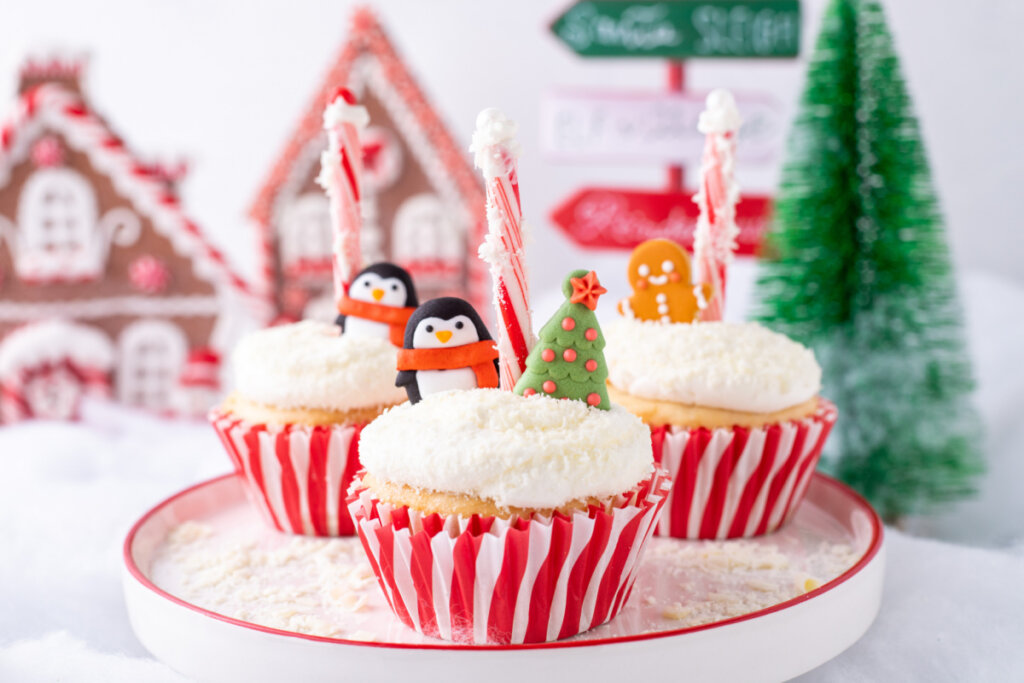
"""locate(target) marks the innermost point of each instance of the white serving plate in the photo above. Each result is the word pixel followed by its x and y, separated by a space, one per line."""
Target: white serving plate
pixel 771 644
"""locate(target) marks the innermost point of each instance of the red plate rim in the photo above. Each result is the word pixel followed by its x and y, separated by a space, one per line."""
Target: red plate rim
pixel 873 547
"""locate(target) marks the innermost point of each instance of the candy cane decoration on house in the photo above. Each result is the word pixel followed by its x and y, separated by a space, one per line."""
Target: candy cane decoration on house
pixel 496 149
pixel 715 238
pixel 341 176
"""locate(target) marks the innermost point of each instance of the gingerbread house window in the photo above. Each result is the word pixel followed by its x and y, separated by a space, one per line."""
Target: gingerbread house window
pixel 427 237
pixel 59 234
pixel 306 234
pixel 57 221
pixel 152 353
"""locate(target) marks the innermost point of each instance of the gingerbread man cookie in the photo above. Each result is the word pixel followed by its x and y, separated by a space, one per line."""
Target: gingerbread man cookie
pixel 659 273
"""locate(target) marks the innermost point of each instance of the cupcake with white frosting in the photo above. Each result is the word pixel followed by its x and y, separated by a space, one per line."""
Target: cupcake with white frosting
pixel 302 394
pixel 492 516
pixel 735 418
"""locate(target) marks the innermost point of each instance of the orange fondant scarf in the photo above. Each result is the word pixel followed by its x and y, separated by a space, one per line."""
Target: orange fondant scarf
pixel 393 316
pixel 479 356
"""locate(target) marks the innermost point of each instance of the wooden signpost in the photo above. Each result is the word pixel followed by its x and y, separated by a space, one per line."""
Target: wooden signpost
pixel 621 219
pixel 679 29
pixel 661 128
pixel 649 127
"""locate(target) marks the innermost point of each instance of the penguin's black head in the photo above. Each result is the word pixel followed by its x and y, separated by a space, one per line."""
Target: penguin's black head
pixel 444 322
pixel 384 283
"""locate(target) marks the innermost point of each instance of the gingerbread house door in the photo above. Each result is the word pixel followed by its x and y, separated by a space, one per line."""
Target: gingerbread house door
pixel 151 356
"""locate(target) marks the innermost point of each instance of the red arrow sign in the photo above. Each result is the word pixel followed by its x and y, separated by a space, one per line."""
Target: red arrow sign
pixel 614 218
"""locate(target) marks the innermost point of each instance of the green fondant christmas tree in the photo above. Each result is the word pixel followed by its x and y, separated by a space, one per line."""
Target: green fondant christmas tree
pixel 568 361
pixel 858 269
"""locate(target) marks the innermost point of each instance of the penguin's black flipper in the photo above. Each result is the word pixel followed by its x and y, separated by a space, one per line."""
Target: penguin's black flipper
pixel 407 379
pixel 340 321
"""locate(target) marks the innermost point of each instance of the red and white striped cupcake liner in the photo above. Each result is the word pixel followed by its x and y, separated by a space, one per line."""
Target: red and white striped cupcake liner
pixel 484 580
pixel 738 482
pixel 296 475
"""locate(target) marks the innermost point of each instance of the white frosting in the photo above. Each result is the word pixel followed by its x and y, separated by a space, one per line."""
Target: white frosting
pixel 721 114
pixel 534 452
pixel 340 112
pixel 494 134
pixel 309 364
pixel 735 366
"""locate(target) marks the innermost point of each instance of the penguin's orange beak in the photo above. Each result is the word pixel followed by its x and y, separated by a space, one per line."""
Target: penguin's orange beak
pixel 378 294
pixel 443 336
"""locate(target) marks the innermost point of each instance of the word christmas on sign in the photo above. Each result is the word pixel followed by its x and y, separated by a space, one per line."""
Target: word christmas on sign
pixel 656 127
pixel 677 29
pixel 622 219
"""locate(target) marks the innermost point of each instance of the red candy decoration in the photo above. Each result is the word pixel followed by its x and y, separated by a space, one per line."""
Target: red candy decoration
pixel 569 355
pixel 149 274
pixel 591 365
pixel 549 387
pixel 586 290
pixel 590 334
pixel 568 323
pixel 594 399
pixel 529 391
pixel 547 355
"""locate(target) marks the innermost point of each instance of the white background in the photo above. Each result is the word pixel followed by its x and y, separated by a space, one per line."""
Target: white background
pixel 223 83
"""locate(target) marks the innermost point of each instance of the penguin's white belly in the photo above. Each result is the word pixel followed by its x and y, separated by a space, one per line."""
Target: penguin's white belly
pixel 433 381
pixel 361 327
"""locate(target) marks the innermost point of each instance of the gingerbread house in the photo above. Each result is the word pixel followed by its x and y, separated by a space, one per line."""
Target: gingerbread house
pixel 105 285
pixel 423 203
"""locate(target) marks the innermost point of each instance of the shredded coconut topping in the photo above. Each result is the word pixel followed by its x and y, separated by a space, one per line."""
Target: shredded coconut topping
pixel 533 452
pixel 735 366
pixel 720 115
pixel 494 137
pixel 311 365
pixel 339 111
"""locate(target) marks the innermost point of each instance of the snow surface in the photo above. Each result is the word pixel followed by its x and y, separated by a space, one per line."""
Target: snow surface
pixel 70 492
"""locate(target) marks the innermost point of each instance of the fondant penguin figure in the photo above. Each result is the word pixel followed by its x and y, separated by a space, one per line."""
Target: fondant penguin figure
pixel 446 347
pixel 378 303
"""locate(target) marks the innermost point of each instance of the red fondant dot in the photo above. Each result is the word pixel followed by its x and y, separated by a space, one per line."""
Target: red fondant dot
pixel 568 323
pixel 590 334
pixel 591 365
pixel 549 387
pixel 548 355
pixel 594 399
pixel 529 391
pixel 569 355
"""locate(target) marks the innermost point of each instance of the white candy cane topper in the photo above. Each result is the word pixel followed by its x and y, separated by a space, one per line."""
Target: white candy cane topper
pixel 341 175
pixel 715 238
pixel 496 150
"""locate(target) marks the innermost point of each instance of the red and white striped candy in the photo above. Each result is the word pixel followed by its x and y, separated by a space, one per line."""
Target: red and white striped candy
pixel 296 475
pixel 496 150
pixel 715 237
pixel 341 175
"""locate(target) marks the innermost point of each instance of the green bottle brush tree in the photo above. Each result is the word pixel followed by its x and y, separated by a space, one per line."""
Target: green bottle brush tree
pixel 856 267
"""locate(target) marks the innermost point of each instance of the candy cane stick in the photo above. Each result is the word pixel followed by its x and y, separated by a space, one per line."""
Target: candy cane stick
pixel 341 175
pixel 715 238
pixel 495 148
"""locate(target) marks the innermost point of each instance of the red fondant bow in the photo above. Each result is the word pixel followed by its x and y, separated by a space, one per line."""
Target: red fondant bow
pixel 395 317
pixel 479 356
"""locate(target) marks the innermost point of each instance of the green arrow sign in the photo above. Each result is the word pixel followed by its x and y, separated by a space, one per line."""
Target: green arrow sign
pixel 677 29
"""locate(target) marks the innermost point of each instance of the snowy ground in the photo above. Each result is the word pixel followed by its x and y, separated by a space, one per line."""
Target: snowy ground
pixel 69 493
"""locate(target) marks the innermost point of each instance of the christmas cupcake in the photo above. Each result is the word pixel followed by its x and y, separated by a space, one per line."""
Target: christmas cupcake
pixel 734 410
pixel 303 393
pixel 504 517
